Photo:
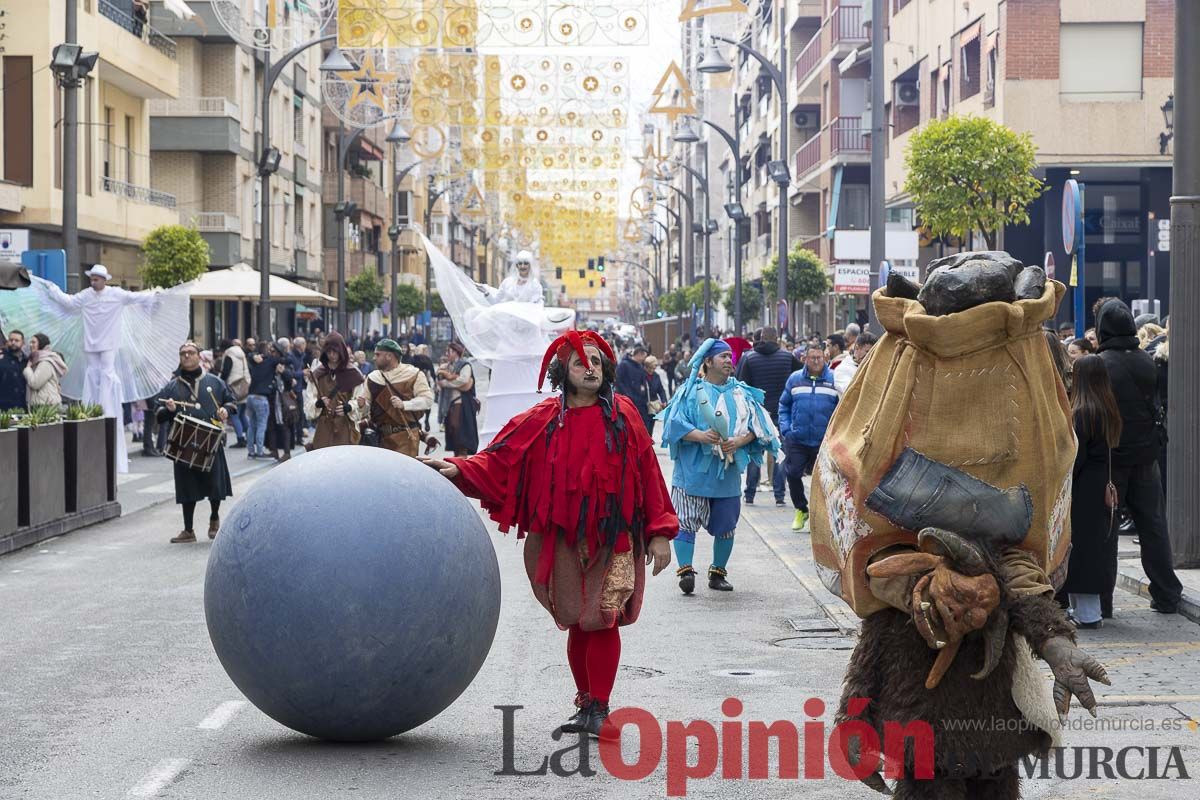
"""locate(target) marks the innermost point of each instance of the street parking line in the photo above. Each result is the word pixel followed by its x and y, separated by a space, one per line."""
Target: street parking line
pixel 163 774
pixel 221 716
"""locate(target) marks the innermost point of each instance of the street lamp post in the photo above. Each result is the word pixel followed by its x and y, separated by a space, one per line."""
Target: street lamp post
pixel 714 63
pixel 268 165
pixel 667 240
pixel 395 138
pixel 341 211
pixel 678 227
pixel 431 201
pixel 734 210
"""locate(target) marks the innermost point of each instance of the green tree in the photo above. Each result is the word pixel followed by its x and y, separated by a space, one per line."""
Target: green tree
pixel 364 292
pixel 808 276
pixel 752 303
pixel 409 301
pixel 173 254
pixel 435 304
pixel 675 301
pixel 971 174
pixel 695 294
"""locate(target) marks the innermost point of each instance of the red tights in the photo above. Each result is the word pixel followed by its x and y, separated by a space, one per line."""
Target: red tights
pixel 594 656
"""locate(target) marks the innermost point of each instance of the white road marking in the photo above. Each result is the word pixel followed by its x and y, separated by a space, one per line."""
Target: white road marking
pixel 221 716
pixel 159 778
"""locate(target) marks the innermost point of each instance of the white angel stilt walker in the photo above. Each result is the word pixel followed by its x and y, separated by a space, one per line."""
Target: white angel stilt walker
pixel 508 329
pixel 120 346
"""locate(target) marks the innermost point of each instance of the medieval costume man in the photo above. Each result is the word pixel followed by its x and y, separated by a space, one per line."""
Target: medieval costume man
pixel 394 396
pixel 327 399
pixel 715 426
pixel 457 382
pixel 204 396
pixel 577 474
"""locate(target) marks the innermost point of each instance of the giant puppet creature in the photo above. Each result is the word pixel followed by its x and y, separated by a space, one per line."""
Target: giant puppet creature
pixel 940 514
pixel 120 346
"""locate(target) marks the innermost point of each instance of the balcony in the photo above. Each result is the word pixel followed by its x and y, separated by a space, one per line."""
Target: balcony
pixel 137 194
pixel 849 136
pixel 842 137
pixel 809 58
pixel 847 25
pixel 124 19
pixel 196 125
pixel 217 222
pixel 223 233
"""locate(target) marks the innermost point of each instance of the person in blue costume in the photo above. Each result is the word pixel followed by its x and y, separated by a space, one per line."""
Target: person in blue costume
pixel 714 427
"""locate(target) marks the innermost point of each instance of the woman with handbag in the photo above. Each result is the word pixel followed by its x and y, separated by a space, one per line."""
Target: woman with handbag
pixel 283 409
pixel 1093 562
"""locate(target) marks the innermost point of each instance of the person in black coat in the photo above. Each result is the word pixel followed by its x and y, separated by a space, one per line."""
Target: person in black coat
pixel 632 381
pixel 192 384
pixel 1135 461
pixel 1091 571
pixel 12 372
pixel 767 367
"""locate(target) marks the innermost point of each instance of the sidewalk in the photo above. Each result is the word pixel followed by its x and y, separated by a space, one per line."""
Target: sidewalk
pixel 1132 578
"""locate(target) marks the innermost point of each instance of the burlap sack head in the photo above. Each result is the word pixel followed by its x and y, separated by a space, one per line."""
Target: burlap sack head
pixel 976 390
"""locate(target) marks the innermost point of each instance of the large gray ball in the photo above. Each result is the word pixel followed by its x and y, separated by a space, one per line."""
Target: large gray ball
pixel 352 594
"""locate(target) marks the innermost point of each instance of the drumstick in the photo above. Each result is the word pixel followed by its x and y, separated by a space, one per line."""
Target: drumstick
pixel 216 420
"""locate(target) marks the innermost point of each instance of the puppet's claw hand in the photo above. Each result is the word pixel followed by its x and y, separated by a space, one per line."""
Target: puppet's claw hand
pixel 1072 667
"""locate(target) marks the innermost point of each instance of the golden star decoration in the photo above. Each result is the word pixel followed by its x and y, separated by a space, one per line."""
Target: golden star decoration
pixel 368 84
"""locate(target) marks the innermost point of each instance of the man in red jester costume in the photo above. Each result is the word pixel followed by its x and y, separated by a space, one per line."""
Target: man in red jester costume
pixel 577 475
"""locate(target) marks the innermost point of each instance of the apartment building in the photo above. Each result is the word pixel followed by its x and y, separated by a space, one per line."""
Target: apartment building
pixel 119 201
pixel 1091 82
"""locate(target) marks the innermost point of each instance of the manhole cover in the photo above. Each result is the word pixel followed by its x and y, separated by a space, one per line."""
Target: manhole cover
pixel 633 673
pixel 816 642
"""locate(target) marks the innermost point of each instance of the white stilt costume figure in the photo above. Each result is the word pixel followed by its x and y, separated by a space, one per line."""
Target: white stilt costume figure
pixel 127 340
pixel 507 329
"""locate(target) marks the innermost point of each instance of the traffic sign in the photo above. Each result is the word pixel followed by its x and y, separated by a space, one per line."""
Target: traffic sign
pixel 1070 214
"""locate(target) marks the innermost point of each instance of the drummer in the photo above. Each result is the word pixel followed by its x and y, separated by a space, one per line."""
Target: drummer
pixel 203 396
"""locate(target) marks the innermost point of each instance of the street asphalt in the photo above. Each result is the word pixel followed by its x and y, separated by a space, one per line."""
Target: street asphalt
pixel 109 687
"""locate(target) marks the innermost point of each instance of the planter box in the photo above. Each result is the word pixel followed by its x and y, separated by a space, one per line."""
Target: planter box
pixel 9 496
pixel 86 463
pixel 111 432
pixel 40 474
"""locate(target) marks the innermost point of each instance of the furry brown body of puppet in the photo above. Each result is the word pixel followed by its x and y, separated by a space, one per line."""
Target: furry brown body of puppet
pixel 979 733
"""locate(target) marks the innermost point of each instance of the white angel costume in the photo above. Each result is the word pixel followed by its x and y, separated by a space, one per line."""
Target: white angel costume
pixel 129 341
pixel 516 289
pixel 508 336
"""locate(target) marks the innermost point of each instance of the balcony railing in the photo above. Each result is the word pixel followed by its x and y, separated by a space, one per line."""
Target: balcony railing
pixel 124 18
pixel 138 194
pixel 847 24
pixel 217 222
pixel 849 136
pixel 808 156
pixel 194 107
pixel 809 57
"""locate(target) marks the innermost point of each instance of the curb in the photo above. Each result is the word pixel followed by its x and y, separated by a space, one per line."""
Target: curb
pixel 232 476
pixel 1133 583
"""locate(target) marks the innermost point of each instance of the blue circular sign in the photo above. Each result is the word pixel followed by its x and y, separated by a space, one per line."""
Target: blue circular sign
pixel 1070 214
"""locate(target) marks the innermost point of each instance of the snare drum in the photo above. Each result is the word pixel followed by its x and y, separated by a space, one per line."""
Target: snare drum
pixel 193 442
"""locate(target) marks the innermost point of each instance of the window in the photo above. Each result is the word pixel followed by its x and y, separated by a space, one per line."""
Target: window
pixel 405 204
pixel 89 88
pixel 968 79
pixel 934 93
pixel 944 100
pixel 989 85
pixel 129 145
pixel 854 212
pixel 298 119
pixel 299 223
pixel 1100 61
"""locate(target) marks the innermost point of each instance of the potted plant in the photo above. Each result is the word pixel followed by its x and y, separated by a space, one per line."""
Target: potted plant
pixel 8 467
pixel 85 449
pixel 40 466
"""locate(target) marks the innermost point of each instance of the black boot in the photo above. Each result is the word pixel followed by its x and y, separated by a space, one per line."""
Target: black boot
pixel 578 721
pixel 687 579
pixel 597 715
pixel 716 580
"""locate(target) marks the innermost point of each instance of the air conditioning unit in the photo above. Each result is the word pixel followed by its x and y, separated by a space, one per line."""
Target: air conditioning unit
pixel 908 94
pixel 804 119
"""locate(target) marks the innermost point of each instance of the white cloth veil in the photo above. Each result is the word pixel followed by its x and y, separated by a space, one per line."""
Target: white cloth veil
pixel 150 336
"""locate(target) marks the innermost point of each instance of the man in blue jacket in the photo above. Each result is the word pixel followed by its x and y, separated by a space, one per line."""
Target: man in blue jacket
pixel 808 400
pixel 633 383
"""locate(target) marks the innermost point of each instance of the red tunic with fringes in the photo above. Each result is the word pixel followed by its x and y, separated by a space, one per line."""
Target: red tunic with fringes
pixel 587 490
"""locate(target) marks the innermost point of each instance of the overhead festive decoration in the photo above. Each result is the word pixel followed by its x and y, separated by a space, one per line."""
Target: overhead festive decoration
pixel 492 23
pixel 701 8
pixel 273 25
pixel 673 96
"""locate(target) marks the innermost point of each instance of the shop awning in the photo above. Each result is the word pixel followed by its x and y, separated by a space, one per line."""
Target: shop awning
pixel 241 282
